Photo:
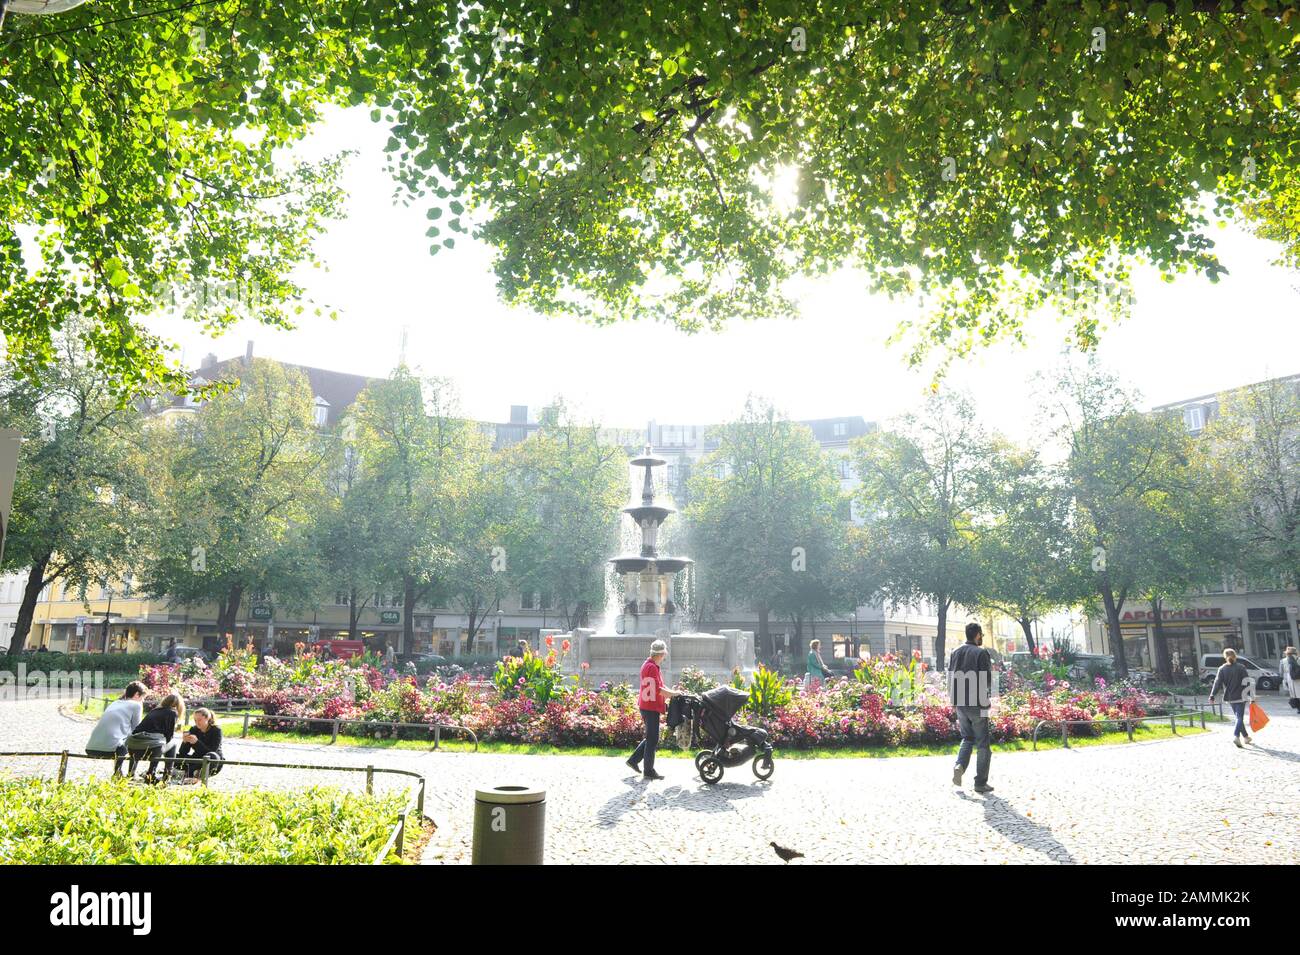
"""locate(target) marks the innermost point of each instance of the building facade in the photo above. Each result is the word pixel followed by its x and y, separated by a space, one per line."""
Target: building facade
pixel 1259 619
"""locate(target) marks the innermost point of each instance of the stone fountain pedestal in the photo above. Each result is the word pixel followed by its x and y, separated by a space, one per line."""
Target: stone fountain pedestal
pixel 617 658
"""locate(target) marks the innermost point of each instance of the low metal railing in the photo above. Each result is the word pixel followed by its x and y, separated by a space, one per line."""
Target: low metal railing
pixel 397 836
pixel 228 705
pixel 336 724
pixel 1126 721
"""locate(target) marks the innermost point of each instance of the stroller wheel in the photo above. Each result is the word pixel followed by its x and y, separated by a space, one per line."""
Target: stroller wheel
pixel 764 765
pixel 709 766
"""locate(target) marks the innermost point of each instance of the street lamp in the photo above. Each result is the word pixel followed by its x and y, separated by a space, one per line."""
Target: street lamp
pixel 853 633
pixel 500 615
pixel 108 612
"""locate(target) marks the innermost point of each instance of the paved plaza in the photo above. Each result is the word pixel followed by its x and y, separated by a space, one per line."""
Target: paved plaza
pixel 1191 800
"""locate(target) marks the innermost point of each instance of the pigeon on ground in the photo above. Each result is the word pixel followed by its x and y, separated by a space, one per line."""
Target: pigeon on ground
pixel 786 854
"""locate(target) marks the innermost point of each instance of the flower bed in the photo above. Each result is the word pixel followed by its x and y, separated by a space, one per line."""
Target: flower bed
pixel 885 703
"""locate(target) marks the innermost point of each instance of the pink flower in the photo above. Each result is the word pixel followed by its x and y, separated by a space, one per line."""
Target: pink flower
pixel 916 654
pixel 565 646
pixel 586 666
pixel 550 640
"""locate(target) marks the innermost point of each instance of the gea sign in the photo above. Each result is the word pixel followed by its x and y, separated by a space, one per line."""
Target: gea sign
pixel 1190 613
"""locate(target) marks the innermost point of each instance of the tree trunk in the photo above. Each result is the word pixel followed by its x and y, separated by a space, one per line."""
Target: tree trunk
pixel 941 636
pixel 408 614
pixel 1164 666
pixel 353 613
pixel 797 649
pixel 764 638
pixel 27 609
pixel 1112 630
pixel 228 614
pixel 1027 625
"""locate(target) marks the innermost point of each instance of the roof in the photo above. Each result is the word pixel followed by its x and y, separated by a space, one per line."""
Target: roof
pixel 339 389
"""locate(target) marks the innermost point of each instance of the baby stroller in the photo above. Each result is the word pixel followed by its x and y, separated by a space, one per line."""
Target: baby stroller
pixel 713 724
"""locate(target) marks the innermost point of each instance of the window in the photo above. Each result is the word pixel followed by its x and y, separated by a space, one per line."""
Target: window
pixel 841 429
pixel 719 471
pixel 341 598
pixel 545 602
pixel 526 601
pixel 1194 418
pixel 846 469
pixel 322 411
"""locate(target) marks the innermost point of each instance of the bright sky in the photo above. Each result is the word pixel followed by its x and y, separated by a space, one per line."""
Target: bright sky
pixel 1185 339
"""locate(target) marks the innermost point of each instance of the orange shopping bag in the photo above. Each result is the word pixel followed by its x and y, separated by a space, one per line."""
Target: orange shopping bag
pixel 1258 718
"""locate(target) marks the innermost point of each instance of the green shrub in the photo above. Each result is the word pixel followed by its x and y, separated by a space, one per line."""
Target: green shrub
pixel 105 662
pixel 113 822
pixel 695 680
pixel 768 693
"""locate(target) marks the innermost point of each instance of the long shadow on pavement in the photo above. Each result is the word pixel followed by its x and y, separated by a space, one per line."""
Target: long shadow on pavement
pixel 1021 830
pixel 1274 753
pixel 698 798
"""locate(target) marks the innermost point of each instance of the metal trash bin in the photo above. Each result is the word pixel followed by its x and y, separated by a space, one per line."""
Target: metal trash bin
pixel 509 825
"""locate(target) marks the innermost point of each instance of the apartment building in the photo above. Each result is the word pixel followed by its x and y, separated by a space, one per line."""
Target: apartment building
pixel 1257 618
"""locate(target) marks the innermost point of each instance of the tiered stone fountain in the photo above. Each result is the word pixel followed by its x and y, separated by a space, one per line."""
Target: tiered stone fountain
pixel 649 611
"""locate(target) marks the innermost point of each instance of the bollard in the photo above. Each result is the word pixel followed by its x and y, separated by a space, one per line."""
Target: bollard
pixel 1173 724
pixel 509 826
pixel 1128 725
pixel 370 780
pixel 1202 712
pixel 1065 734
pixel 203 771
pixel 244 731
pixel 63 766
pixel 334 735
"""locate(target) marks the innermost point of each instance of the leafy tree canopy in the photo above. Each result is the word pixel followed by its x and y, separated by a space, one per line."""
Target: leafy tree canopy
pixel 625 160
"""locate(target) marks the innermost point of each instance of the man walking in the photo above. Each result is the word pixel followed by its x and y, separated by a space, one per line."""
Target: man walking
pixel 970 688
pixel 1238 690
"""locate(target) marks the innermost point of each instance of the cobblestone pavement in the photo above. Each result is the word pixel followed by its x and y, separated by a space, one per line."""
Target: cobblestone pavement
pixel 1193 800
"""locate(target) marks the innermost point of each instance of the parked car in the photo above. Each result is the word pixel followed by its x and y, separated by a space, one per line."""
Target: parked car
pixel 1265 678
pixel 429 660
pixel 181 654
pixel 1079 668
pixel 341 649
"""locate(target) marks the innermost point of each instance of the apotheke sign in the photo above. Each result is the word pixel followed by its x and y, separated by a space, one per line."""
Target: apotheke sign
pixel 1188 613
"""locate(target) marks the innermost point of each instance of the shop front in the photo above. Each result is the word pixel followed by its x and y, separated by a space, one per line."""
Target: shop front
pixel 1189 632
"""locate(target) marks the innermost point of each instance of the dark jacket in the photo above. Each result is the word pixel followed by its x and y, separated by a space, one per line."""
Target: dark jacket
pixel 676 712
pixel 160 720
pixel 209 740
pixel 970 677
pixel 1231 678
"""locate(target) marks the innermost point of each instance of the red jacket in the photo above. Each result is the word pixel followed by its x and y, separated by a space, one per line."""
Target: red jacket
pixel 651 696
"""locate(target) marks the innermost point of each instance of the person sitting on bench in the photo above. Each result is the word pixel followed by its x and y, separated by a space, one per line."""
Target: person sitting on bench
pixel 108 738
pixel 202 741
pixel 154 737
